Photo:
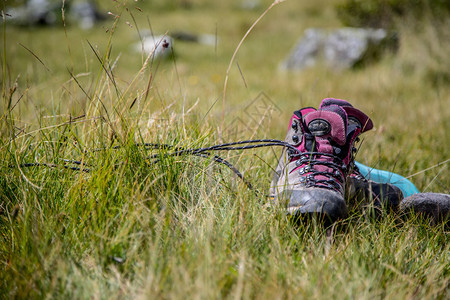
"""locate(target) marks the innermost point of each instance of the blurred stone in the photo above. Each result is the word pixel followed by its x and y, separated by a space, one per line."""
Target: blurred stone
pixel 250 4
pixel 345 47
pixel 307 50
pixel 434 206
pixel 86 14
pixel 35 12
pixel 204 39
pixel 49 13
pixel 339 49
pixel 160 46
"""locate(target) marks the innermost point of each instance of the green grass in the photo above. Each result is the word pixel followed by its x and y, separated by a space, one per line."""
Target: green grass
pixel 187 227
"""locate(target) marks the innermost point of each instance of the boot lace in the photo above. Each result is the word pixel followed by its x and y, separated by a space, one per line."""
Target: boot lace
pixel 307 161
pixel 205 152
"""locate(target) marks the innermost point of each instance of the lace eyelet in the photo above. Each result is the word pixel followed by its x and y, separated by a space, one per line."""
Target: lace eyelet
pixel 304 170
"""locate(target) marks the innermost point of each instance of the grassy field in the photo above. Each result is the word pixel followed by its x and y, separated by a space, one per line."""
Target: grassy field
pixel 187 227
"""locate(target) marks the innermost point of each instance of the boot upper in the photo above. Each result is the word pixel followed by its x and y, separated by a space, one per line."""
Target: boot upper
pixel 323 148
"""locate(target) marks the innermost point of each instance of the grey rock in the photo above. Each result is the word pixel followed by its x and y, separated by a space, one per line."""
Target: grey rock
pixel 435 206
pixel 86 14
pixel 344 47
pixel 35 12
pixel 339 49
pixel 307 50
pixel 49 13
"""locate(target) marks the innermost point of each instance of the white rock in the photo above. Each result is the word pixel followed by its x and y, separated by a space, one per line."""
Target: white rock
pixel 160 46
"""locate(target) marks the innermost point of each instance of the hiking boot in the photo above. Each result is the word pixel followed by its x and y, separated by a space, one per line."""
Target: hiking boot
pixel 383 197
pixel 311 174
pixel 359 190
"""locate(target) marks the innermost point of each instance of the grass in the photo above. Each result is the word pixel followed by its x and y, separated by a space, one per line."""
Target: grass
pixel 187 227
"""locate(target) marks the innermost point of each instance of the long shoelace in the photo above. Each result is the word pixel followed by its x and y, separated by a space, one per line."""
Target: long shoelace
pixel 205 152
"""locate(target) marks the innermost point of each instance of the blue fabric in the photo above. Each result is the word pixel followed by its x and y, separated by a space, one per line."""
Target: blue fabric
pixel 381 176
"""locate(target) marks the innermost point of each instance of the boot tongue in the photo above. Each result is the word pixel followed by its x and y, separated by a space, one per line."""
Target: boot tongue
pixel 328 123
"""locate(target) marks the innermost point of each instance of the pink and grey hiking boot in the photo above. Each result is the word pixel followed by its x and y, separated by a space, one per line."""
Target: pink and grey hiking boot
pixel 311 174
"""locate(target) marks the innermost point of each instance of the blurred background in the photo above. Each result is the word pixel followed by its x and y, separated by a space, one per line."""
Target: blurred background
pixel 397 67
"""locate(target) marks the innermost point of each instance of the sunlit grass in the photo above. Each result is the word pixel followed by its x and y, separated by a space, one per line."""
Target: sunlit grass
pixel 187 227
